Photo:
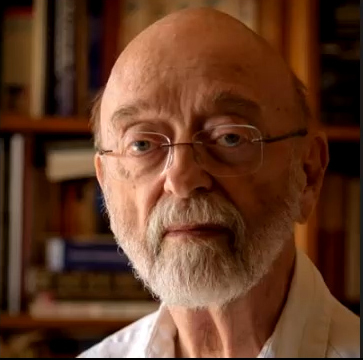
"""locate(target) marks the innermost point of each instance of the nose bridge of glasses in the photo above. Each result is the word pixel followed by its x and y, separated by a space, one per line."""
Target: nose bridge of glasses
pixel 183 154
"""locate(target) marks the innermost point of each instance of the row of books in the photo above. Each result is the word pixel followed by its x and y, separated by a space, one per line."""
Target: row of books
pixel 340 54
pixel 58 54
pixel 52 56
pixel 88 279
pixel 339 235
pixel 55 236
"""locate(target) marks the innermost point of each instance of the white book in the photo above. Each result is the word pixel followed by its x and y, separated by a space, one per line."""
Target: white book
pixel 44 308
pixel 66 164
pixel 16 181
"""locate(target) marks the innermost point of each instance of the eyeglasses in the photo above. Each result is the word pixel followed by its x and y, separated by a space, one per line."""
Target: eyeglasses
pixel 222 151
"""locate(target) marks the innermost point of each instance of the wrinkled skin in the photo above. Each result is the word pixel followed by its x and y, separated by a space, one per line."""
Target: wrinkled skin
pixel 225 287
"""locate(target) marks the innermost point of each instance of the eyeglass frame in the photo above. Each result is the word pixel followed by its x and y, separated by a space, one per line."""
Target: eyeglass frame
pixel 267 140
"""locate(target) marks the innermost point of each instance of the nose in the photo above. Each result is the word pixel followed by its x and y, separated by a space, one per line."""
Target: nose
pixel 184 175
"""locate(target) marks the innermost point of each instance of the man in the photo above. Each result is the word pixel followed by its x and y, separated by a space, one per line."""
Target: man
pixel 205 163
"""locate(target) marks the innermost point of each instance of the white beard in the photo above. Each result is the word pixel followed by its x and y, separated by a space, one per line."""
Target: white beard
pixel 197 273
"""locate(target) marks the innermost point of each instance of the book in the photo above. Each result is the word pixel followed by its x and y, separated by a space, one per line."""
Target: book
pixel 64 57
pixel 352 241
pixel 38 58
pixel 16 61
pixel 4 220
pixel 15 240
pixel 67 255
pixel 69 160
pixel 82 285
pixel 43 307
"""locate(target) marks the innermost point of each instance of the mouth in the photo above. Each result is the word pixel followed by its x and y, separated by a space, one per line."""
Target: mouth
pixel 197 230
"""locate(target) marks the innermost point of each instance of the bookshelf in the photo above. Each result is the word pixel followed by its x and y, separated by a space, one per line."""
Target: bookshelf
pixel 26 322
pixel 342 133
pixel 74 125
pixel 293 27
pixel 329 32
pixel 46 125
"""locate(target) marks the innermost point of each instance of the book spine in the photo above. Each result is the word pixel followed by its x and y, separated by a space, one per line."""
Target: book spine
pixel 15 65
pixel 39 58
pixel 4 221
pixel 95 47
pixel 63 255
pixel 86 285
pixel 16 181
pixel 64 58
pixel 352 242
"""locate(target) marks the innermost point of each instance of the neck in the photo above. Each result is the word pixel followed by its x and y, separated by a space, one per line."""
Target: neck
pixel 241 328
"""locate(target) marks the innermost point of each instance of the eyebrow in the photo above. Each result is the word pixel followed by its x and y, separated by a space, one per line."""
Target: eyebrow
pixel 220 103
pixel 231 103
pixel 129 112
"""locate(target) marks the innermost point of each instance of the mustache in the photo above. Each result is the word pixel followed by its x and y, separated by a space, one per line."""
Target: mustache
pixel 201 209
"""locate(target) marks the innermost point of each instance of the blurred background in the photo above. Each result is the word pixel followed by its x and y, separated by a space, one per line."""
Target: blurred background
pixel 63 285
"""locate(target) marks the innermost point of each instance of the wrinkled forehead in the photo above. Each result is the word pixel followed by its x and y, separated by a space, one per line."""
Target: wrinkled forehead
pixel 164 83
pixel 179 85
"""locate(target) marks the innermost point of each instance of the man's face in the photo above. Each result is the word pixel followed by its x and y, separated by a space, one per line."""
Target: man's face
pixel 193 238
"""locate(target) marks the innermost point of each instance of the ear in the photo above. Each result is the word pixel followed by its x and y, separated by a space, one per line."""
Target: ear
pixel 315 162
pixel 99 169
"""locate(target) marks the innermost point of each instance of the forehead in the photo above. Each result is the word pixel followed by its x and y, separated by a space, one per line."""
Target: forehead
pixel 185 85
pixel 185 107
pixel 183 88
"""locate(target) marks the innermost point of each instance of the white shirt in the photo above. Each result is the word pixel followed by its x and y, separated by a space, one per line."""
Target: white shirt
pixel 312 324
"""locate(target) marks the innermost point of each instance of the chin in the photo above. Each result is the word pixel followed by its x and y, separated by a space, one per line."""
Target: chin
pixel 194 275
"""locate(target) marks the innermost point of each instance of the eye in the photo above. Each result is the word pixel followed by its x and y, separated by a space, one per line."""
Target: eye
pixel 230 140
pixel 141 146
pixel 138 144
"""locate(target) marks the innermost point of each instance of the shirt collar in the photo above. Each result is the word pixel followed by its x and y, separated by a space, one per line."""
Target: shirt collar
pixel 303 327
pixel 162 336
pixel 301 331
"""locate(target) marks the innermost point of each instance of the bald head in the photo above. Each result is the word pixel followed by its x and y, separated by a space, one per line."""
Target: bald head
pixel 190 35
pixel 204 49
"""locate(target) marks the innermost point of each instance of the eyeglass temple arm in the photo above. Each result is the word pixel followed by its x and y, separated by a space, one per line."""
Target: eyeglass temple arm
pixel 103 152
pixel 301 132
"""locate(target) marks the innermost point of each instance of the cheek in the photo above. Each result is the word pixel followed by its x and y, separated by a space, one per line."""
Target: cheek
pixel 120 203
pixel 244 195
pixel 268 195
pixel 256 197
pixel 131 203
pixel 272 182
pixel 142 199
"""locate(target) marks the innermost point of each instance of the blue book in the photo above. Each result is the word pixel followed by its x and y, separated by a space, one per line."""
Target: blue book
pixel 67 255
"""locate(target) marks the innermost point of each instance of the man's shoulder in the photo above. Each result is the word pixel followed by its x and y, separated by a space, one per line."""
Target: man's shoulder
pixel 127 342
pixel 344 334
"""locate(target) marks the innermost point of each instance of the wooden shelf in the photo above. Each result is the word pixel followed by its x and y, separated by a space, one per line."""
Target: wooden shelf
pixel 46 125
pixel 342 133
pixel 26 322
pixel 80 126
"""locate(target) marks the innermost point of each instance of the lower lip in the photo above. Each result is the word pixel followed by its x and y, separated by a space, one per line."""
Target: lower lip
pixel 197 233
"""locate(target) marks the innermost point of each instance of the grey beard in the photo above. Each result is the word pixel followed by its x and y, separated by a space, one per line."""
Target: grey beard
pixel 197 273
